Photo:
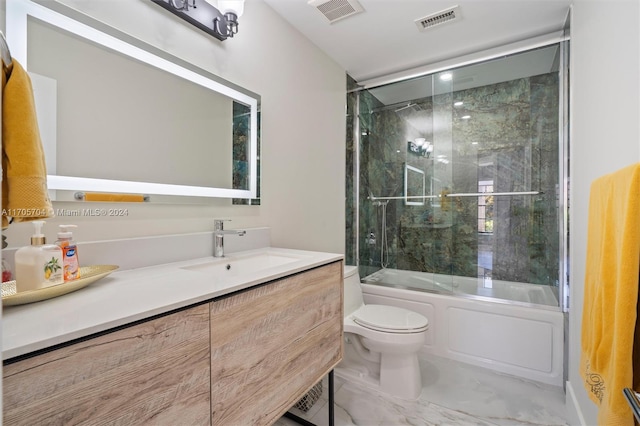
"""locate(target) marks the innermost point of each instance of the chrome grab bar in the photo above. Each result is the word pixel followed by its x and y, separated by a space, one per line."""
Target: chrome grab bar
pixel 461 194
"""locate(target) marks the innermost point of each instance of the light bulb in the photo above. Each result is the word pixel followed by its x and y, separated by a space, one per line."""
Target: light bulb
pixel 226 6
pixel 231 6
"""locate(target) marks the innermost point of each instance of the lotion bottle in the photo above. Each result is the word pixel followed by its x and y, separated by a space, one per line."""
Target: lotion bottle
pixel 38 265
pixel 70 264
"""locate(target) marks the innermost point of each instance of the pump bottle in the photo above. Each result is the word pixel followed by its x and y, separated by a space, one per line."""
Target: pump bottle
pixel 38 265
pixel 70 263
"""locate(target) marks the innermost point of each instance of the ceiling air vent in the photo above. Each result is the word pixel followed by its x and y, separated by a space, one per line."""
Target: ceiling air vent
pixel 431 21
pixel 334 10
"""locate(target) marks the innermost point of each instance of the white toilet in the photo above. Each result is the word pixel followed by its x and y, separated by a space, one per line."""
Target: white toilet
pixel 381 343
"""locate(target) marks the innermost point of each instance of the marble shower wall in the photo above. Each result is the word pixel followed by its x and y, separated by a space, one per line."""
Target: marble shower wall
pixel 350 193
pixel 510 140
pixel 241 152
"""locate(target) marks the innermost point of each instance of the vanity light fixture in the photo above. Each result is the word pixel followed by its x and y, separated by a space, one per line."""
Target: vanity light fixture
pixel 218 18
pixel 420 146
pixel 427 149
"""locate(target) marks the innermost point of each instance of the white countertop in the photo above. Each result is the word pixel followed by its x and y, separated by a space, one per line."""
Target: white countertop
pixel 130 295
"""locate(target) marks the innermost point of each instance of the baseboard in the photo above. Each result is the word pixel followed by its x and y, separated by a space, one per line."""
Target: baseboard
pixel 574 413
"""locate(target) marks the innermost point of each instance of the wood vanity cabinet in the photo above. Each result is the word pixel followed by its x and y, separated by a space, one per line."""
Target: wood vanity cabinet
pixel 242 359
pixel 155 372
pixel 271 344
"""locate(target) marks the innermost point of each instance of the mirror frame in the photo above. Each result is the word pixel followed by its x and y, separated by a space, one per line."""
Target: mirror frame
pixel 67 19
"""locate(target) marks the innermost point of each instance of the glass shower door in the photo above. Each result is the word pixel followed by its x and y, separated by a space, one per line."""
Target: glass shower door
pixel 458 179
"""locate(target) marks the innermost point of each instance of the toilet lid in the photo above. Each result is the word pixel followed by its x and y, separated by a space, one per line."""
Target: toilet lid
pixel 390 319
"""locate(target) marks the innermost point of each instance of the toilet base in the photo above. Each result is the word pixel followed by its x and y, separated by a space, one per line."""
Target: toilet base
pixel 397 375
pixel 400 375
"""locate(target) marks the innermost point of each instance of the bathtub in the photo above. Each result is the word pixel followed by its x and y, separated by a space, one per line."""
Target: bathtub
pixel 485 288
pixel 520 334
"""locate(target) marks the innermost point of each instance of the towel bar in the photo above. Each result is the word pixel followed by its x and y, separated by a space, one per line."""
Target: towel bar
pixel 97 196
pixel 634 402
pixel 461 194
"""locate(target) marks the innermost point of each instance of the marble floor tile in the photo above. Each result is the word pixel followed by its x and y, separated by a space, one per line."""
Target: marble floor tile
pixel 453 393
pixel 491 396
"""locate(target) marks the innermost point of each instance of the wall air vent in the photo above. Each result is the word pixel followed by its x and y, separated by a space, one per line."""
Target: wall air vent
pixel 448 15
pixel 334 10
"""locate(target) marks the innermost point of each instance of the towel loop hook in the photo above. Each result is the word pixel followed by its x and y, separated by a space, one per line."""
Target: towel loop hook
pixel 5 54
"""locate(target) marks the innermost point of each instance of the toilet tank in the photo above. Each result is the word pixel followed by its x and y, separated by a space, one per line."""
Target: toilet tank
pixel 352 290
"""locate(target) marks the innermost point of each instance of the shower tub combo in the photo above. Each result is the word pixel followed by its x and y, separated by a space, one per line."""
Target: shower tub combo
pixel 463 173
pixel 510 327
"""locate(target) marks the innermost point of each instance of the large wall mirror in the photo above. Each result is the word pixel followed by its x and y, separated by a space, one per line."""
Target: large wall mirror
pixel 120 116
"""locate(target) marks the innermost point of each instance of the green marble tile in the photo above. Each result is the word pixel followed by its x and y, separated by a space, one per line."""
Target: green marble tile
pixel 510 140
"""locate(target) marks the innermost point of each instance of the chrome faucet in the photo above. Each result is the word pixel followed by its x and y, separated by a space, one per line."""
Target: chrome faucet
pixel 218 235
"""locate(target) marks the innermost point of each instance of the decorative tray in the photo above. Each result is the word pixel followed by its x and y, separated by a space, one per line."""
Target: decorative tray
pixel 88 275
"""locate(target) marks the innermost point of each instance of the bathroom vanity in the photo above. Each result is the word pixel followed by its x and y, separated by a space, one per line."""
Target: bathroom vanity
pixel 179 343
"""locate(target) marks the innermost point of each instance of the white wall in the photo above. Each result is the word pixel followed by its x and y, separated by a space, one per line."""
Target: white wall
pixel 303 129
pixel 605 73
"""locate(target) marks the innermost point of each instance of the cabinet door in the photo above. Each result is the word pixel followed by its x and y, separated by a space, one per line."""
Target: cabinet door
pixel 156 372
pixel 271 344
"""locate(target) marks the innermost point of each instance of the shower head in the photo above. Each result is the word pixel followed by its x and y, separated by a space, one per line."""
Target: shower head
pixel 399 107
pixel 402 108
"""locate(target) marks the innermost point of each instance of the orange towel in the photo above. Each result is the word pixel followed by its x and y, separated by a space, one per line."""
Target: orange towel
pixel 98 196
pixel 611 293
pixel 24 173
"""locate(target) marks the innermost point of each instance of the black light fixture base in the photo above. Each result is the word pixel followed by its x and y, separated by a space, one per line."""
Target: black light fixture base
pixel 201 15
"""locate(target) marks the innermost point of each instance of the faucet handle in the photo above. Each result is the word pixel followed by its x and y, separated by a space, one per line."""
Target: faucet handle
pixel 218 224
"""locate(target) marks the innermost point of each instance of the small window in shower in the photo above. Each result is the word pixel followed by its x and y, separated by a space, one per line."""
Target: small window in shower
pixel 485 207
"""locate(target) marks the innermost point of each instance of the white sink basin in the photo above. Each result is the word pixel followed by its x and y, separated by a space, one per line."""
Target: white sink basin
pixel 242 264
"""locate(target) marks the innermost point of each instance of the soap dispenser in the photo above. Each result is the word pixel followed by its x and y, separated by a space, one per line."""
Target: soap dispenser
pixel 70 264
pixel 38 265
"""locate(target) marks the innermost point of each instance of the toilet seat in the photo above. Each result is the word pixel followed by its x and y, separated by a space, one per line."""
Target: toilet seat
pixel 390 319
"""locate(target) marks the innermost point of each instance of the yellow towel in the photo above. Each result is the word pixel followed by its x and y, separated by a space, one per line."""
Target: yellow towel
pixel 97 196
pixel 24 173
pixel 611 293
